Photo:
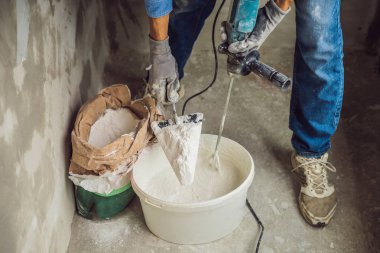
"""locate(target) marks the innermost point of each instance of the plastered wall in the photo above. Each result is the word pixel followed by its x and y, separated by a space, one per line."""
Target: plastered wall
pixel 52 55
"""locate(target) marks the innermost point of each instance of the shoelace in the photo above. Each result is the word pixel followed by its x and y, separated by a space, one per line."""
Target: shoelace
pixel 316 169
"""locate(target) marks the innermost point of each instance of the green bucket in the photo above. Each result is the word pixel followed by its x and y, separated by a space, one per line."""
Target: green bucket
pixel 105 205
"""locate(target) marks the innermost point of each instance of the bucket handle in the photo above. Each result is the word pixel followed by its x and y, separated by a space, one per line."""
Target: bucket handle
pixel 150 203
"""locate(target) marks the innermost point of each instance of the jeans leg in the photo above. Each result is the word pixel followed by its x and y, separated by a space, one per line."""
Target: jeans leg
pixel 185 24
pixel 318 76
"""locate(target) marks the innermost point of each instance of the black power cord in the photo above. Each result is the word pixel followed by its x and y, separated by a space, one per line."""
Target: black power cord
pixel 260 225
pixel 203 91
pixel 215 59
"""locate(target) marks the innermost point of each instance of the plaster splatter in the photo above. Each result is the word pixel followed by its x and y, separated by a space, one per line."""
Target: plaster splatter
pixel 8 126
pixel 19 76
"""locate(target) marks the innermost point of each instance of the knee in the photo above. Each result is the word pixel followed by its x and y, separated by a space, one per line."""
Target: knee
pixel 318 23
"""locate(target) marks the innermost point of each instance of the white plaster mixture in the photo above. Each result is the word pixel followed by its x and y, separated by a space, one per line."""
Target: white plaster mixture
pixel 209 183
pixel 112 125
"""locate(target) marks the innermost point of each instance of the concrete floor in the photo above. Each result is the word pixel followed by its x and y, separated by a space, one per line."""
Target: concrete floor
pixel 258 119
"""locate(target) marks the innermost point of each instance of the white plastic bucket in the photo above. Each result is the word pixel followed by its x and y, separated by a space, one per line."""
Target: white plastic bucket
pixel 200 222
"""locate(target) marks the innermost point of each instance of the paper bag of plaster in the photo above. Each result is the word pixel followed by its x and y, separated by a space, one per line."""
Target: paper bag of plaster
pixel 115 158
pixel 180 143
pixel 109 127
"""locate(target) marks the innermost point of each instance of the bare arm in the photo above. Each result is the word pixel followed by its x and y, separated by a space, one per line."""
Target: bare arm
pixel 283 4
pixel 159 27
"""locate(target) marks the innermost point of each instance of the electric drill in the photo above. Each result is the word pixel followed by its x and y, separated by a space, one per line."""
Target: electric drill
pixel 240 23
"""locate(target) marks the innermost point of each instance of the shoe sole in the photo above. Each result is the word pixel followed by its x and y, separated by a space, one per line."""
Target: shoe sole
pixel 311 219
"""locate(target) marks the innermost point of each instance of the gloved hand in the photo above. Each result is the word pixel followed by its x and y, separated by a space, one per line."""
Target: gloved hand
pixel 268 18
pixel 163 81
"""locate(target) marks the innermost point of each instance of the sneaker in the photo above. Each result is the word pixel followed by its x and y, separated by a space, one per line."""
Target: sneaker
pixel 317 199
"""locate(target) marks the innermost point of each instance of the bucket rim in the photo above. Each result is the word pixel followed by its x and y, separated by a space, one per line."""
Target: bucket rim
pixel 246 183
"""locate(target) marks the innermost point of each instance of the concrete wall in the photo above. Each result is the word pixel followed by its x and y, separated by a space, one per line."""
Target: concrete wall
pixel 52 55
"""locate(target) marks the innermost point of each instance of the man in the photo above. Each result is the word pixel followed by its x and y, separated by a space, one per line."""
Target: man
pixel 317 79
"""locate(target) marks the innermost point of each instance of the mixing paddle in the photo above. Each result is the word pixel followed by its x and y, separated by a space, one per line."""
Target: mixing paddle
pixel 215 157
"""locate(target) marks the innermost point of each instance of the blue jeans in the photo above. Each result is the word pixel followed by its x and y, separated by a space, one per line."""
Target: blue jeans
pixel 185 24
pixel 318 76
pixel 318 66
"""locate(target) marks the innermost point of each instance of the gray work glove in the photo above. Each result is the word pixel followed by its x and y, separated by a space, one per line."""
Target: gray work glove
pixel 163 81
pixel 268 18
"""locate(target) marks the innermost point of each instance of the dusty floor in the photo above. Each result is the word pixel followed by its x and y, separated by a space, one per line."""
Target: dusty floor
pixel 258 119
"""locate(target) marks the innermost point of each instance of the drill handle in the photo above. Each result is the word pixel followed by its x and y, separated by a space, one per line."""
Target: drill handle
pixel 243 64
pixel 277 78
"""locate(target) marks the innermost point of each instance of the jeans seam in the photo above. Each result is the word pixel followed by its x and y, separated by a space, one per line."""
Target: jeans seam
pixel 294 93
pixel 341 82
